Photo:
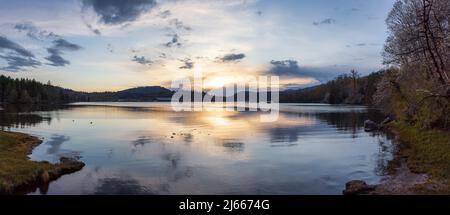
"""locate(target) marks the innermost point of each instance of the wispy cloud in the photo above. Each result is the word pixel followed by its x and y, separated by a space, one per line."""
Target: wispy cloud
pixel 34 32
pixel 327 21
pixel 187 64
pixel 16 56
pixel 59 46
pixel 5 43
pixel 231 57
pixel 142 60
pixel 55 58
pixel 96 31
pixel 179 24
pixel 174 41
pixel 164 14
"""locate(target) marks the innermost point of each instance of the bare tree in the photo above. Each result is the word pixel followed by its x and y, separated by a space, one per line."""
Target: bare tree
pixel 420 35
pixel 419 46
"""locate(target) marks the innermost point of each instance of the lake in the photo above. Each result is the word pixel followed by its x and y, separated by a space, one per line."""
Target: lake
pixel 146 148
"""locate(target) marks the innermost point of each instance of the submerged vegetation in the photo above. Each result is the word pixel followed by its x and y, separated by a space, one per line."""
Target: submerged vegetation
pixel 18 173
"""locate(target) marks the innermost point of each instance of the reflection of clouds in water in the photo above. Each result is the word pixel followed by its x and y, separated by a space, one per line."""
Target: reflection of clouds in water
pixel 55 144
pixel 208 147
pixel 124 184
pixel 176 170
pixel 121 186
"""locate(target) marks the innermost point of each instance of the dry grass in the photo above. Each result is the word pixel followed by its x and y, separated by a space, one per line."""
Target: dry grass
pixel 17 170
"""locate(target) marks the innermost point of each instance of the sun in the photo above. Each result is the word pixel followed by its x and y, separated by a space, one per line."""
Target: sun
pixel 218 81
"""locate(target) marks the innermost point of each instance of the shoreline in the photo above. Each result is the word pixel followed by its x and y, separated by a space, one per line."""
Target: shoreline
pixel 409 172
pixel 19 174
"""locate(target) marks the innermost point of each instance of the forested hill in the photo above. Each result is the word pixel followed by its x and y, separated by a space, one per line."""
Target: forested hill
pixel 31 91
pixel 138 94
pixel 26 91
pixel 345 89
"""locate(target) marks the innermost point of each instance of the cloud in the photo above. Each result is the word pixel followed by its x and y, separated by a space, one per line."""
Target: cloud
pixel 361 44
pixel 55 58
pixel 16 56
pixel 174 41
pixel 291 68
pixel 110 48
pixel 5 43
pixel 34 32
pixel 188 64
pixel 142 60
pixel 64 45
pixel 327 21
pixel 162 55
pixel 179 24
pixel 114 12
pixel 232 57
pixel 92 29
pixel 59 46
pixel 165 14
pixel 15 63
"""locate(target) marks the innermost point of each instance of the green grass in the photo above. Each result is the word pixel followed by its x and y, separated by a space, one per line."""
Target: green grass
pixel 17 170
pixel 427 151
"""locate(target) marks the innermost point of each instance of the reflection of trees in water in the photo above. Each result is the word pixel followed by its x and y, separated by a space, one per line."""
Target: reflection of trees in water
pixel 121 186
pixel 283 134
pixel 22 116
pixel 349 121
pixel 387 150
pixel 16 120
pixel 353 122
pixel 27 108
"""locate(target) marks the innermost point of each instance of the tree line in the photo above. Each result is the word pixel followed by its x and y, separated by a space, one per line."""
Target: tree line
pixel 416 88
pixel 29 91
pixel 418 92
pixel 345 89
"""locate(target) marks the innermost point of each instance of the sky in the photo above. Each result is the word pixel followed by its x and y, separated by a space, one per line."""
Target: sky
pixel 109 45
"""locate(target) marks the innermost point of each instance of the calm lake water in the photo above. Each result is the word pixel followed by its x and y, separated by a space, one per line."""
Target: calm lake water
pixel 146 148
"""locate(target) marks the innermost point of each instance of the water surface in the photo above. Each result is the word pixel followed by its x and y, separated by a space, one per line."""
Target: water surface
pixel 146 148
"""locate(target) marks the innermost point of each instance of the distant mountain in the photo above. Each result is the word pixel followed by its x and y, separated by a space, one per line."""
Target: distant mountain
pixel 138 94
pixel 145 90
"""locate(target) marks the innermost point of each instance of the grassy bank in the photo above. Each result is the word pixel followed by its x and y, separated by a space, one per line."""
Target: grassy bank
pixel 426 151
pixel 18 173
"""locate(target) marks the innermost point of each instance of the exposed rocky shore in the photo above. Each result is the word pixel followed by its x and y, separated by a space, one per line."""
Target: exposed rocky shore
pixel 403 180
